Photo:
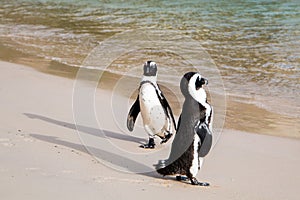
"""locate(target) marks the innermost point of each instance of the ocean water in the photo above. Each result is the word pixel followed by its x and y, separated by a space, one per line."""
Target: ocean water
pixel 255 45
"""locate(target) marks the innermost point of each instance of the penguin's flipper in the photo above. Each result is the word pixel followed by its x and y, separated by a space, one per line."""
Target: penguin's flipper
pixel 205 138
pixel 167 107
pixel 133 113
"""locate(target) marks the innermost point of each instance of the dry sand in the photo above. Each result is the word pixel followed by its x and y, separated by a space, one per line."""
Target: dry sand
pixel 42 156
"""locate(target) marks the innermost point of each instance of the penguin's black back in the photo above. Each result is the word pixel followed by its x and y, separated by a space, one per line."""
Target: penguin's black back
pixel 182 151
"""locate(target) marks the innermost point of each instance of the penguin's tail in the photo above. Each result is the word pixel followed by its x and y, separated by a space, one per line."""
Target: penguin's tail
pixel 164 169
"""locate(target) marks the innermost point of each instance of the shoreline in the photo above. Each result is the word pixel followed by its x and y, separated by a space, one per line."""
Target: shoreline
pixel 240 116
pixel 42 155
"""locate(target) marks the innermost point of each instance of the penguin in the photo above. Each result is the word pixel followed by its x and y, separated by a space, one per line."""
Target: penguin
pixel 157 115
pixel 193 139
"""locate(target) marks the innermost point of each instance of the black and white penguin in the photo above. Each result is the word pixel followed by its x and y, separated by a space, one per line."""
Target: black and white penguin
pixel 156 112
pixel 193 139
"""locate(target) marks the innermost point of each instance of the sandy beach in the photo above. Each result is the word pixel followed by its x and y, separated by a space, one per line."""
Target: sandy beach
pixel 42 156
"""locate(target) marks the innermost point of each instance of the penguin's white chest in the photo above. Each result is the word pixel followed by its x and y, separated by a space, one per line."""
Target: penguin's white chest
pixel 153 113
pixel 196 162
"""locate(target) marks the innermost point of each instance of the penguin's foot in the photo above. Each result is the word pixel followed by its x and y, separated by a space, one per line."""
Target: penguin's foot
pixel 150 145
pixel 147 146
pixel 167 137
pixel 194 181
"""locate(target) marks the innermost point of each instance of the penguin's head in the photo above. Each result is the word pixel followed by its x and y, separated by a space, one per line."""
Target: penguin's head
pixel 191 83
pixel 150 68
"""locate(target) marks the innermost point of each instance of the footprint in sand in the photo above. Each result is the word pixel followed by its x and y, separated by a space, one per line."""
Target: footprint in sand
pixel 68 171
pixel 6 142
pixel 32 168
pixel 28 139
pixel 25 137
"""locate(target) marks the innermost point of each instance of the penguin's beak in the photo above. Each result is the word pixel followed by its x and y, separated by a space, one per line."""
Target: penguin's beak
pixel 204 81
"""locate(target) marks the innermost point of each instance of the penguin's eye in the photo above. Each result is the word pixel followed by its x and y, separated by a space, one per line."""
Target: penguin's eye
pixel 198 83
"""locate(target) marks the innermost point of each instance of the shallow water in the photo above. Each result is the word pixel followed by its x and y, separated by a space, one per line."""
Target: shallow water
pixel 255 45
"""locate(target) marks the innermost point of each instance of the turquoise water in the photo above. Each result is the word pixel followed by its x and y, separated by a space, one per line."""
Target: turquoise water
pixel 254 44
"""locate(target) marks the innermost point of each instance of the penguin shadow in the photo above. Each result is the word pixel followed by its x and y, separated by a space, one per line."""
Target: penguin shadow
pixel 118 160
pixel 88 130
pixel 100 154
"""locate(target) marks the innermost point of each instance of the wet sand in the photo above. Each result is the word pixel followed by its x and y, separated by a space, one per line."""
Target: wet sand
pixel 241 113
